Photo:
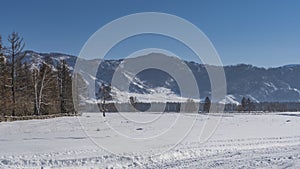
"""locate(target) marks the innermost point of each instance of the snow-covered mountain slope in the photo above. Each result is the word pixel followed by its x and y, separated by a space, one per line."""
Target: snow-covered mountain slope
pixel 159 94
pixel 259 84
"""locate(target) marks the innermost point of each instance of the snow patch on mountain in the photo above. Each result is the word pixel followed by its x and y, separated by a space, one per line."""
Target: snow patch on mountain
pixel 229 99
pixel 271 85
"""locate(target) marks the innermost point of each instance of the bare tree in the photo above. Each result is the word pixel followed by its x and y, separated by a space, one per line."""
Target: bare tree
pixel 105 94
pixel 80 92
pixel 24 90
pixel 14 52
pixel 43 81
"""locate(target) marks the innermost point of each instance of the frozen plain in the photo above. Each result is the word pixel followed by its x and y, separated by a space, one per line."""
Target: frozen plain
pixel 153 140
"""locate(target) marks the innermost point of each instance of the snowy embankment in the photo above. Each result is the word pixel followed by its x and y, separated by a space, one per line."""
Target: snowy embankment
pixel 240 141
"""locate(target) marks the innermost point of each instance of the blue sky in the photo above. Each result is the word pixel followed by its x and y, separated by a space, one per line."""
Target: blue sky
pixel 259 32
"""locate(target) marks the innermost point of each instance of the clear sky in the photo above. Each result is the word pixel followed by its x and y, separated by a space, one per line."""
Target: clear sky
pixel 259 32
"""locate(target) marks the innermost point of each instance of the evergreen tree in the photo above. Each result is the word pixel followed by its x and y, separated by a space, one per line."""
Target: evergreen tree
pixel 132 100
pixel 65 88
pixel 249 105
pixel 244 104
pixel 207 104
pixel 4 90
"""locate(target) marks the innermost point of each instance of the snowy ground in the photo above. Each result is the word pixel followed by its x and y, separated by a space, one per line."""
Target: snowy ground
pixel 148 140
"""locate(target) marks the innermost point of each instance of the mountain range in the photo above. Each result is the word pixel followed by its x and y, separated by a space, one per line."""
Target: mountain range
pixel 278 84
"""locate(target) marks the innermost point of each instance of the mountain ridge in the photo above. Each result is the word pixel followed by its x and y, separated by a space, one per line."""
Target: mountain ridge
pixel 275 84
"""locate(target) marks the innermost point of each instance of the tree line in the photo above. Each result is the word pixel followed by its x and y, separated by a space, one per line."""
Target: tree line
pixel 190 106
pixel 33 87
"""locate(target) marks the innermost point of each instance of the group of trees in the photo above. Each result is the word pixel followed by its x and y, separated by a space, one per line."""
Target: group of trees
pixel 32 87
pixel 246 105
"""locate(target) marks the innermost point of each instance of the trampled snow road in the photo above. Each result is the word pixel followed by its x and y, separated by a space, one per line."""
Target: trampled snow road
pixel 240 141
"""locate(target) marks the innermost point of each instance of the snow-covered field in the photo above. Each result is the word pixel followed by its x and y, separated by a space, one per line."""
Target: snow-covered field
pixel 149 140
